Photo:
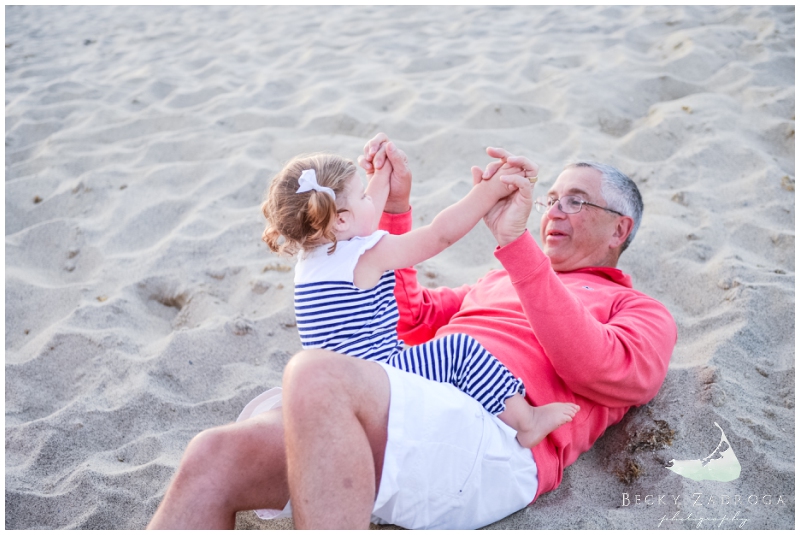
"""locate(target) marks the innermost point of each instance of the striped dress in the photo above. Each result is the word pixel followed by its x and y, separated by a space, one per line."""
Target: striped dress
pixel 333 314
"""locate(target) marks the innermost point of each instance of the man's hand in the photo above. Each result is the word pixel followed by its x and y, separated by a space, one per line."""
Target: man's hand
pixel 508 219
pixel 400 179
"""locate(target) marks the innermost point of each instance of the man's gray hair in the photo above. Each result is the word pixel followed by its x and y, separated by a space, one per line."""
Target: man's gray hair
pixel 620 194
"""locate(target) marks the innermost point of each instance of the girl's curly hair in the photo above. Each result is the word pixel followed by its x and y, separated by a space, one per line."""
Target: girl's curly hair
pixel 305 220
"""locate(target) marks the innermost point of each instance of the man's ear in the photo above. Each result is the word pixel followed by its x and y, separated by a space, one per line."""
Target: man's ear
pixel 622 230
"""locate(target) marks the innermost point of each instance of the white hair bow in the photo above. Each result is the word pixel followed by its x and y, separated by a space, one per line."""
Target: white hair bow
pixel 308 181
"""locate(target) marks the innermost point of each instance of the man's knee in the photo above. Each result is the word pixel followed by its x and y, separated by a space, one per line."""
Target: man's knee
pixel 317 380
pixel 210 448
pixel 314 373
pixel 203 452
pixel 219 451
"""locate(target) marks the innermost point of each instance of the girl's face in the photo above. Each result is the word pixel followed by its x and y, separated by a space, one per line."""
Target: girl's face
pixel 360 214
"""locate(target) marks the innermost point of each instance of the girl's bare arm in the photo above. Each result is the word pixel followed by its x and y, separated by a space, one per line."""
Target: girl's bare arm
pixel 379 185
pixel 449 226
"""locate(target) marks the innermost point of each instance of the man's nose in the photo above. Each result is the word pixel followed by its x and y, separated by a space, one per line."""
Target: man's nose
pixel 555 212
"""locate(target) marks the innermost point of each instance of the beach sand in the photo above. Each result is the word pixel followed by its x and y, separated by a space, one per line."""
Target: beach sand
pixel 142 307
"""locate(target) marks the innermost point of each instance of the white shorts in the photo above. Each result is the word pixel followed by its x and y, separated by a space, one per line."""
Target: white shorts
pixel 449 464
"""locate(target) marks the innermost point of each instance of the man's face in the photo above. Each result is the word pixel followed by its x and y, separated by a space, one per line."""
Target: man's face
pixel 574 241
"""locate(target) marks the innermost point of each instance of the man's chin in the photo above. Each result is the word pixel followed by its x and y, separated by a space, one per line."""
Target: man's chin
pixel 551 253
pixel 550 248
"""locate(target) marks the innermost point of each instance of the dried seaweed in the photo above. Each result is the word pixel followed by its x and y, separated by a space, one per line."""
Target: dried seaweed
pixel 630 471
pixel 651 439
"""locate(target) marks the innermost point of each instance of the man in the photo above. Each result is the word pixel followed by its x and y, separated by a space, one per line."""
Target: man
pixel 356 438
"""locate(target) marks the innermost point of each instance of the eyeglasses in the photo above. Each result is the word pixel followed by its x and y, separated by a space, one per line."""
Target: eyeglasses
pixel 569 204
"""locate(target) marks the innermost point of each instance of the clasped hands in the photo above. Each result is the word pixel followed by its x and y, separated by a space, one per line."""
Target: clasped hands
pixel 507 220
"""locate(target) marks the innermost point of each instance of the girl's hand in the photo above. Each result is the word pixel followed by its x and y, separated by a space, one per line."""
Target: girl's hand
pixel 383 173
pixel 400 177
pixel 370 159
pixel 530 169
pixel 493 185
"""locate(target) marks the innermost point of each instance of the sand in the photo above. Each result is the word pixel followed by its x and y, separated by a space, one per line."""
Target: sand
pixel 142 308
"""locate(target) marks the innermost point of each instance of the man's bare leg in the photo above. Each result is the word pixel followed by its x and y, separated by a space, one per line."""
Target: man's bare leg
pixel 232 468
pixel 336 412
pixel 242 466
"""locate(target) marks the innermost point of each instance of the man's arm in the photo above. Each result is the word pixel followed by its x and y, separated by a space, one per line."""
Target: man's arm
pixel 619 363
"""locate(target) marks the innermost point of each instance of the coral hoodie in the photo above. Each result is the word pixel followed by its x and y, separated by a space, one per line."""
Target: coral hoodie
pixel 584 336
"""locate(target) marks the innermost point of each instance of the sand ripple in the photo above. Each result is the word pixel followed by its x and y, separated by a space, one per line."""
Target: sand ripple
pixel 141 306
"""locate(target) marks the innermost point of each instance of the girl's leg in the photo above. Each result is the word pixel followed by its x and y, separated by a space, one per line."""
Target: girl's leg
pixel 461 361
pixel 531 423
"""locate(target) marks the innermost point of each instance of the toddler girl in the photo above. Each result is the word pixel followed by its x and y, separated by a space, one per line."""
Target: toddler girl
pixel 344 281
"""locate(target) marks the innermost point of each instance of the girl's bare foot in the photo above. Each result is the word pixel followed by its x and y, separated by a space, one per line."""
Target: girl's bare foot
pixel 543 421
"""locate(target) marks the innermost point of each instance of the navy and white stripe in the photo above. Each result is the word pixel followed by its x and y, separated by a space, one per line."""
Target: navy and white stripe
pixel 460 360
pixel 338 316
pixel 333 314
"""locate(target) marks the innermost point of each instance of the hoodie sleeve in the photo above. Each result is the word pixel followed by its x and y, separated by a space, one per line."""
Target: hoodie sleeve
pixel 619 363
pixel 422 310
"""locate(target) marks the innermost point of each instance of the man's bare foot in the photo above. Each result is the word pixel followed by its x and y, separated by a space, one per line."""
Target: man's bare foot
pixel 543 421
